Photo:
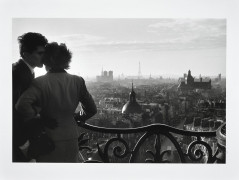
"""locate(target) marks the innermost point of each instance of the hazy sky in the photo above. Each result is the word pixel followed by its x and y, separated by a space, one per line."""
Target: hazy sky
pixel 162 46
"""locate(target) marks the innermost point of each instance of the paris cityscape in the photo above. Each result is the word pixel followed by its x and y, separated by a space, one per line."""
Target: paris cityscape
pixel 189 103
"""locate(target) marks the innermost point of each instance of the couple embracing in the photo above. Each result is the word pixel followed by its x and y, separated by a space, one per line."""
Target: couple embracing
pixel 48 101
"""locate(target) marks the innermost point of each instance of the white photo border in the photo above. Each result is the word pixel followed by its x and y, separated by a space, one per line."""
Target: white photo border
pixel 222 9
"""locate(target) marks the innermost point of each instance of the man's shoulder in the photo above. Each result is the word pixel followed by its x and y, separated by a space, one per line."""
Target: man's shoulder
pixel 18 70
pixel 17 64
pixel 19 67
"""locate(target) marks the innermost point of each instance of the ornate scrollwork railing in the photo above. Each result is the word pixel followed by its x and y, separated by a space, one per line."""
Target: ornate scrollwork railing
pixel 149 144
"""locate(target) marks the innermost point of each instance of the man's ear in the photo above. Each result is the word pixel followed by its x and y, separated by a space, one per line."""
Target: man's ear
pixel 26 54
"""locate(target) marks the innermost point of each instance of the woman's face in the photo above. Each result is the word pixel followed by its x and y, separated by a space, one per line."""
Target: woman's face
pixel 46 61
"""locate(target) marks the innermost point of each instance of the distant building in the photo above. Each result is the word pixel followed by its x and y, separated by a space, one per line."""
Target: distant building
pixel 105 76
pixel 189 83
pixel 132 107
pixel 219 78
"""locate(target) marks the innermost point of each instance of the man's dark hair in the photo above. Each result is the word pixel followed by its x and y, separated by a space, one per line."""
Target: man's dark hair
pixel 29 42
pixel 57 56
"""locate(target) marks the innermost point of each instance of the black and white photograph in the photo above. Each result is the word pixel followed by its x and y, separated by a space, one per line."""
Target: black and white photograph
pixel 141 93
pixel 120 90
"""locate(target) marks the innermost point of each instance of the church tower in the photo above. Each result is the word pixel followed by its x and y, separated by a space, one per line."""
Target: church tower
pixel 132 107
pixel 132 95
pixel 102 72
pixel 190 79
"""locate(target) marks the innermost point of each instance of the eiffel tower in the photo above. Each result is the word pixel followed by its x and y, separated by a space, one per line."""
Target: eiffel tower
pixel 139 72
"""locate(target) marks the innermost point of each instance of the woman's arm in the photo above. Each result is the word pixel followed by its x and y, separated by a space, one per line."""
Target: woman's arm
pixel 88 104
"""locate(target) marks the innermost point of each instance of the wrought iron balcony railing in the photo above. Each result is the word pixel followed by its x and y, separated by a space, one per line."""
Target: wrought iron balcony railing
pixel 152 144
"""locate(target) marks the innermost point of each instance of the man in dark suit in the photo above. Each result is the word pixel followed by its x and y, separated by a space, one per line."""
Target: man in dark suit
pixel 32 46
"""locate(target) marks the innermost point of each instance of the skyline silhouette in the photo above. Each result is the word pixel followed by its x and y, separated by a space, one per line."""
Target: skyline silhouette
pixel 163 46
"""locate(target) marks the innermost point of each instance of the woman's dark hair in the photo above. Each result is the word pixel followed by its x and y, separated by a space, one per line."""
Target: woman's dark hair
pixel 29 42
pixel 57 56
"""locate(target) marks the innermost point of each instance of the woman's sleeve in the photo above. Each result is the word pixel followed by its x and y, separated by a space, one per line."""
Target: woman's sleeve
pixel 29 102
pixel 87 102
